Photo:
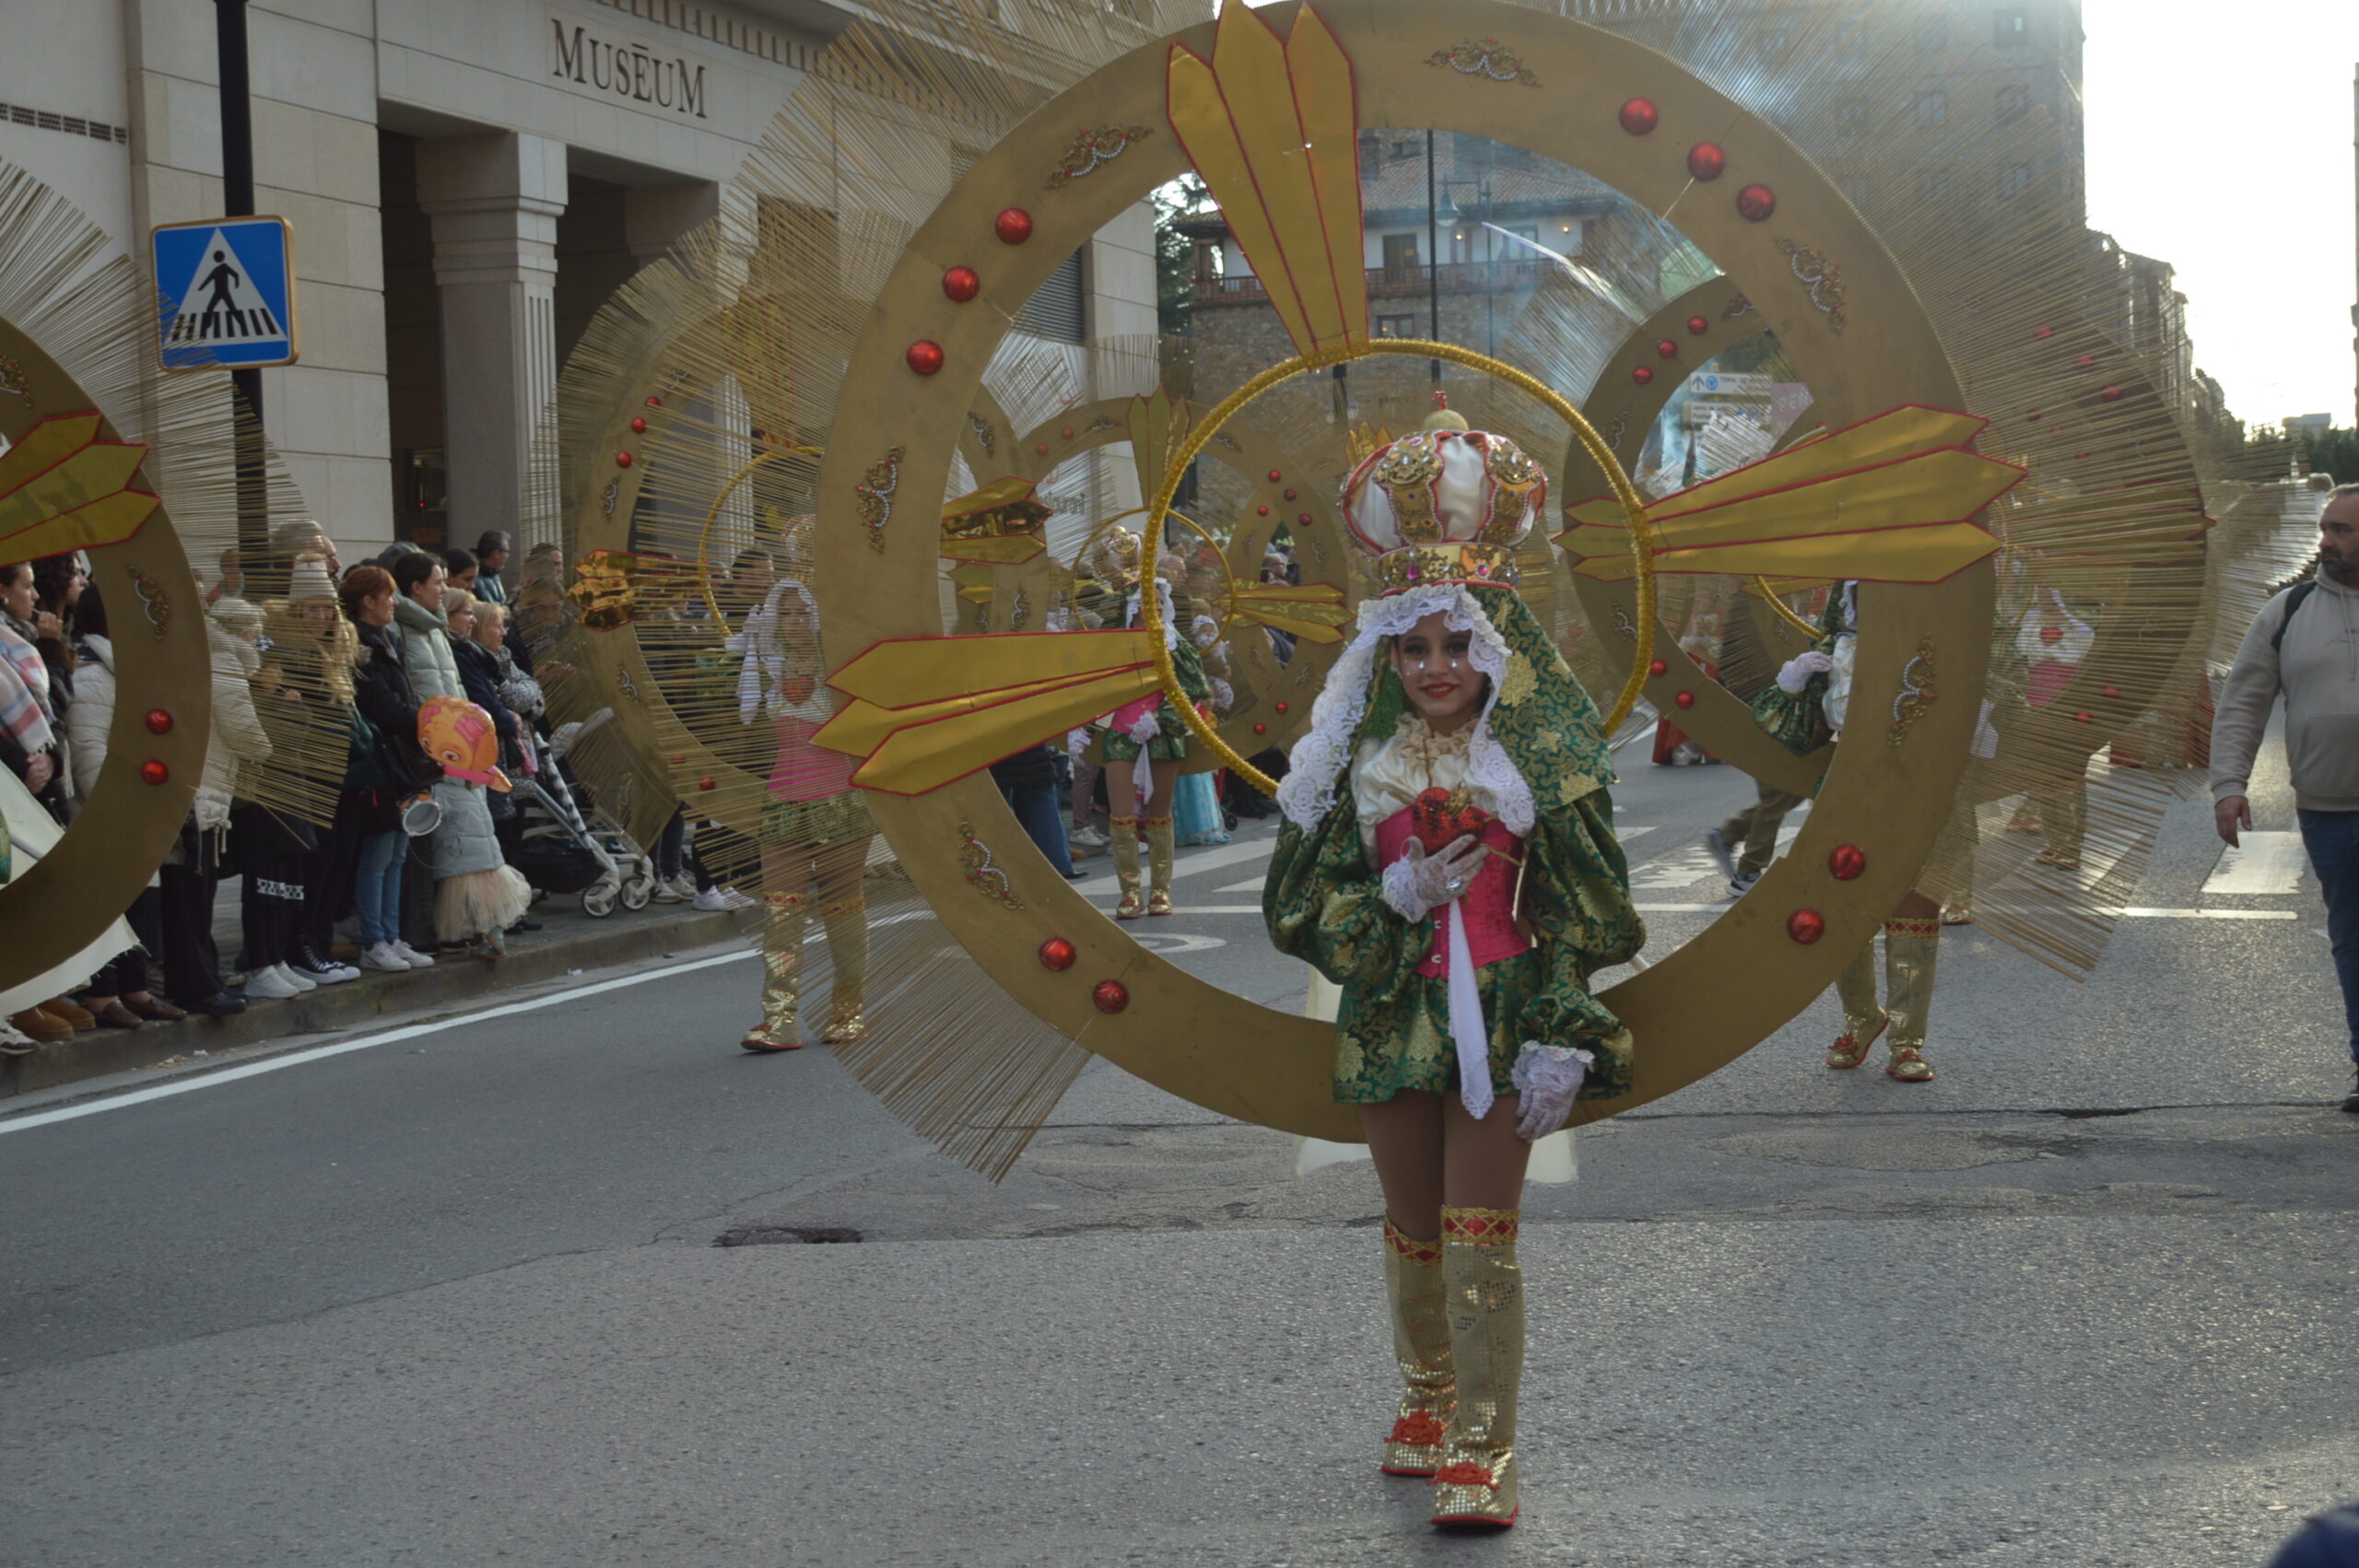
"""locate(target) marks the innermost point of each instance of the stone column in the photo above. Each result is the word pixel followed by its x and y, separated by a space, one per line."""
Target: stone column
pixel 494 202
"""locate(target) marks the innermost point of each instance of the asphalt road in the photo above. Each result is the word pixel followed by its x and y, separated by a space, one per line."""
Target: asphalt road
pixel 451 1297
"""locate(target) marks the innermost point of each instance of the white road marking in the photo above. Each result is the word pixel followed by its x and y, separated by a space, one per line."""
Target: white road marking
pixel 1208 859
pixel 391 1036
pixel 2266 864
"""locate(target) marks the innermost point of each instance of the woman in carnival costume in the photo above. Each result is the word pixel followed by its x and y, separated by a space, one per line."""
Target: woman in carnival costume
pixel 815 828
pixel 1803 710
pixel 1447 859
pixel 1145 742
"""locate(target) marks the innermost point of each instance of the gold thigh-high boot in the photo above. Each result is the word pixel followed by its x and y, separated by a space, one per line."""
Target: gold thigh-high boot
pixel 1910 948
pixel 784 915
pixel 2067 812
pixel 1483 1291
pixel 1159 852
pixel 1864 1021
pixel 1420 1342
pixel 846 927
pixel 1124 832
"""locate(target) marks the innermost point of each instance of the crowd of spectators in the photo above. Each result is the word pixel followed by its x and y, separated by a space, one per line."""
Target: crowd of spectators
pixel 320 677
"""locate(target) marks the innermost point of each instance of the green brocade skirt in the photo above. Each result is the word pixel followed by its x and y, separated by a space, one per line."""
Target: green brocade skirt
pixel 820 824
pixel 1402 1041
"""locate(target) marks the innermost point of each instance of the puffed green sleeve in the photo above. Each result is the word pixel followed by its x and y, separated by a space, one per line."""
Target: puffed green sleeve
pixel 1578 897
pixel 1190 668
pixel 1324 905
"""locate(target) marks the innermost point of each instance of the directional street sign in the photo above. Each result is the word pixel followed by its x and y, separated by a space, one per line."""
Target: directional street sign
pixel 226 293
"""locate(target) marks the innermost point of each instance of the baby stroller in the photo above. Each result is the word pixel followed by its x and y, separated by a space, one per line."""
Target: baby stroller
pixel 560 851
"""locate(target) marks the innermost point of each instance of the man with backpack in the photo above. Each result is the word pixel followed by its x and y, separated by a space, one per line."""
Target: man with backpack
pixel 2305 644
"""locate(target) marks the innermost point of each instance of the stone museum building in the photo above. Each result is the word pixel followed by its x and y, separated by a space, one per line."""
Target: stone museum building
pixel 467 180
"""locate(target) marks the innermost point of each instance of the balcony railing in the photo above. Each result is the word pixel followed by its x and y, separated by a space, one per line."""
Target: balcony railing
pixel 1456 277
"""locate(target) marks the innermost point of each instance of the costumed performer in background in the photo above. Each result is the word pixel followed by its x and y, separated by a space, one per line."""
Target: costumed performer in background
pixel 1447 859
pixel 815 827
pixel 1804 710
pixel 1145 742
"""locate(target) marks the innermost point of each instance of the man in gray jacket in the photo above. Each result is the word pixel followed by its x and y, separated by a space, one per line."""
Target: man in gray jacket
pixel 2305 644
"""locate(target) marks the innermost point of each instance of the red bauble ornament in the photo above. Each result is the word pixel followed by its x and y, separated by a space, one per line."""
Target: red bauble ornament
pixel 159 721
pixel 1643 374
pixel 705 782
pixel 2043 333
pixel 1014 225
pixel 1699 325
pixel 961 284
pixel 1685 699
pixel 1755 202
pixel 1289 494
pixel 622 460
pixel 1658 668
pixel 2113 694
pixel 1282 708
pixel 1846 862
pixel 638 427
pixel 2111 394
pixel 1706 161
pixel 1040 447
pixel 1261 729
pixel 1276 477
pixel 2051 633
pixel 679 759
pixel 1668 349
pixel 2085 362
pixel 1111 996
pixel 1639 116
pixel 924 356
pixel 1261 512
pixel 2084 716
pixel 1304 517
pixel 654 402
pixel 1805 926
pixel 1066 433
pixel 154 771
pixel 1057 954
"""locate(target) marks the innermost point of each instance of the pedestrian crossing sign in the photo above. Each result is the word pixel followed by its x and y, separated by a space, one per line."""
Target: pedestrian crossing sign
pixel 225 291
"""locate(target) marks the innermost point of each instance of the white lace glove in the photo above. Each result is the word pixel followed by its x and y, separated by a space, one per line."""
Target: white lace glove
pixel 1801 668
pixel 1548 1077
pixel 1418 884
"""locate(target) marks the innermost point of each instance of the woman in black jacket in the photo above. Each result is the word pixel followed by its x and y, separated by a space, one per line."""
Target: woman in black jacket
pixel 387 764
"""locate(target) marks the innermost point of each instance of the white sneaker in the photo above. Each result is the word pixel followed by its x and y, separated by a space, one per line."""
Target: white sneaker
pixel 718 900
pixel 286 972
pixel 673 890
pixel 1093 837
pixel 382 956
pixel 413 958
pixel 269 985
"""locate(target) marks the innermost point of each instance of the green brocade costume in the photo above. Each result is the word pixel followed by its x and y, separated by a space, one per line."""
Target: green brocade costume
pixel 1323 900
pixel 1796 720
pixel 1170 742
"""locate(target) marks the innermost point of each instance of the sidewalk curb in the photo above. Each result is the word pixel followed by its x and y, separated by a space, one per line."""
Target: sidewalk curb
pixel 340 1008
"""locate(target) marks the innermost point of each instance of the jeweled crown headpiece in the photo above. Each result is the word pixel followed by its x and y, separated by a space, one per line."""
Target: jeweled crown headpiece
pixel 1444 504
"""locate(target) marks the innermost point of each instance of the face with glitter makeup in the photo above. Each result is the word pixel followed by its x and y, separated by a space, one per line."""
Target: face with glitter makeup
pixel 1437 667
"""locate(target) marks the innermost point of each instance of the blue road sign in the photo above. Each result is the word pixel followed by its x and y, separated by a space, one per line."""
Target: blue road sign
pixel 226 293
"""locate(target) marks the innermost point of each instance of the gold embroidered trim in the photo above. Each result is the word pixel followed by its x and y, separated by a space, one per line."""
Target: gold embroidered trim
pixel 1898 926
pixel 1427 1254
pixel 1423 566
pixel 1480 1227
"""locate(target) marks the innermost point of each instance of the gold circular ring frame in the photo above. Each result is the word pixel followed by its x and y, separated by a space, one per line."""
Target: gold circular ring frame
pixel 1888 797
pixel 1641 538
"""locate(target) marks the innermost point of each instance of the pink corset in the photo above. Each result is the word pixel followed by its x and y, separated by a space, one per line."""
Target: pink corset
pixel 806 772
pixel 1488 907
pixel 1126 717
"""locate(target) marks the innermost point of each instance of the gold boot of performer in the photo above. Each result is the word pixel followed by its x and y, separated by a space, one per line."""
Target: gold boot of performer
pixel 847 929
pixel 1484 1291
pixel 1123 832
pixel 784 918
pixel 1864 1021
pixel 1910 949
pixel 1420 1342
pixel 1160 842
